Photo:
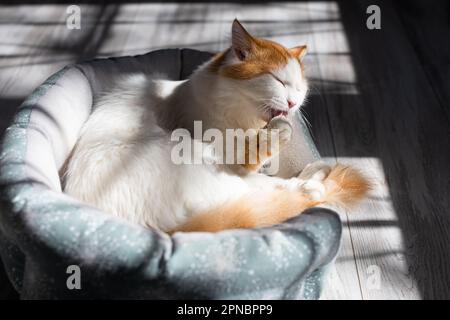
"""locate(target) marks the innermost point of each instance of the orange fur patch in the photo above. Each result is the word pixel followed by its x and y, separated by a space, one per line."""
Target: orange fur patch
pixel 344 187
pixel 257 210
pixel 261 154
pixel 265 57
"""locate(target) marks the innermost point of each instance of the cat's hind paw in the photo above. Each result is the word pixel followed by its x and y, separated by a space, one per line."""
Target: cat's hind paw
pixel 317 171
pixel 313 189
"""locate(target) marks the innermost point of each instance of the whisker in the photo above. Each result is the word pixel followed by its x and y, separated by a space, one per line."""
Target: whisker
pixel 305 119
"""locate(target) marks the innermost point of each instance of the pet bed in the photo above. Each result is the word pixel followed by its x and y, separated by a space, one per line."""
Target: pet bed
pixel 44 232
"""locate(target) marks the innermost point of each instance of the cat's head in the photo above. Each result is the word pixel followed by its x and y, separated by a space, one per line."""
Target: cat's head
pixel 264 74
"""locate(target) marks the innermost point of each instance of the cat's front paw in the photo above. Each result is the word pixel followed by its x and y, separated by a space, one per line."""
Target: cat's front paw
pixel 283 127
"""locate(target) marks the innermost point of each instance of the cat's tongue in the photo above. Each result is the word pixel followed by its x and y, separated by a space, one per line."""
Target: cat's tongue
pixel 276 113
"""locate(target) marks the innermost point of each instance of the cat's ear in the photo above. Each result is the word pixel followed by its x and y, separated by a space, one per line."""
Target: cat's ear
pixel 241 41
pixel 299 52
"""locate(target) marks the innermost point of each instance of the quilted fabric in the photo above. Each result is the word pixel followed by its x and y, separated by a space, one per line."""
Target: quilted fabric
pixel 43 231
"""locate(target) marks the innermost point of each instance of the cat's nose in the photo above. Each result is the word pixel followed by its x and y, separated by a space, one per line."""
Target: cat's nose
pixel 291 103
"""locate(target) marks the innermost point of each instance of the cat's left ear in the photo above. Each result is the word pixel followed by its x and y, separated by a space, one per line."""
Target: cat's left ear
pixel 241 41
pixel 299 52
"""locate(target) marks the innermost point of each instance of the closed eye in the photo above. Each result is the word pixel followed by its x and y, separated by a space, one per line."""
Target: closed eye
pixel 278 79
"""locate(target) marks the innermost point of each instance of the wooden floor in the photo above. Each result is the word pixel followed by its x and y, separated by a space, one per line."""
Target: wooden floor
pixel 380 100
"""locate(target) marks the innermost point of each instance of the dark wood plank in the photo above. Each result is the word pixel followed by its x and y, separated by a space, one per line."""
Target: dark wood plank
pixel 427 26
pixel 397 121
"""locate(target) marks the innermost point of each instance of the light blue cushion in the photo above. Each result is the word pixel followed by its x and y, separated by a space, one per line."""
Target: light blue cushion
pixel 43 231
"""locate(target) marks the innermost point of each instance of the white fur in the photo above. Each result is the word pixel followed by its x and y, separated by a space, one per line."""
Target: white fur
pixel 121 162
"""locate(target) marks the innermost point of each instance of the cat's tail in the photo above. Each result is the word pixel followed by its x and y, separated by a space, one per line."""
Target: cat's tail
pixel 344 187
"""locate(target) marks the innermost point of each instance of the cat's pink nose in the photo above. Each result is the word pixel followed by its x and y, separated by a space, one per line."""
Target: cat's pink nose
pixel 291 103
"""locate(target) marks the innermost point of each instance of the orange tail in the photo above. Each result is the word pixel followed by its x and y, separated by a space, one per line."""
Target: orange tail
pixel 344 187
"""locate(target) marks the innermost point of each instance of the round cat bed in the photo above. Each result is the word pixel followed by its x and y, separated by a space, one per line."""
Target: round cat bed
pixel 54 246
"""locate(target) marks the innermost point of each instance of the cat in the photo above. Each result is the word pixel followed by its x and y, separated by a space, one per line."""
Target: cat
pixel 122 164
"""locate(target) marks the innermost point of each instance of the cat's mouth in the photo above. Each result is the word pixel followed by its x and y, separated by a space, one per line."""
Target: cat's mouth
pixel 272 113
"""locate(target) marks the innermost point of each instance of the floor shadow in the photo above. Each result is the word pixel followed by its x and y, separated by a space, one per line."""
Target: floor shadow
pixel 397 118
pixel 8 107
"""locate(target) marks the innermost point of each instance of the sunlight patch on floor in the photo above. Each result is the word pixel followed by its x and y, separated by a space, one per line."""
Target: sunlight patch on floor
pixel 376 236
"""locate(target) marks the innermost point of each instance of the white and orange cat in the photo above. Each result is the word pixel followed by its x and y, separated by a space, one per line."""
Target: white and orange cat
pixel 122 160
